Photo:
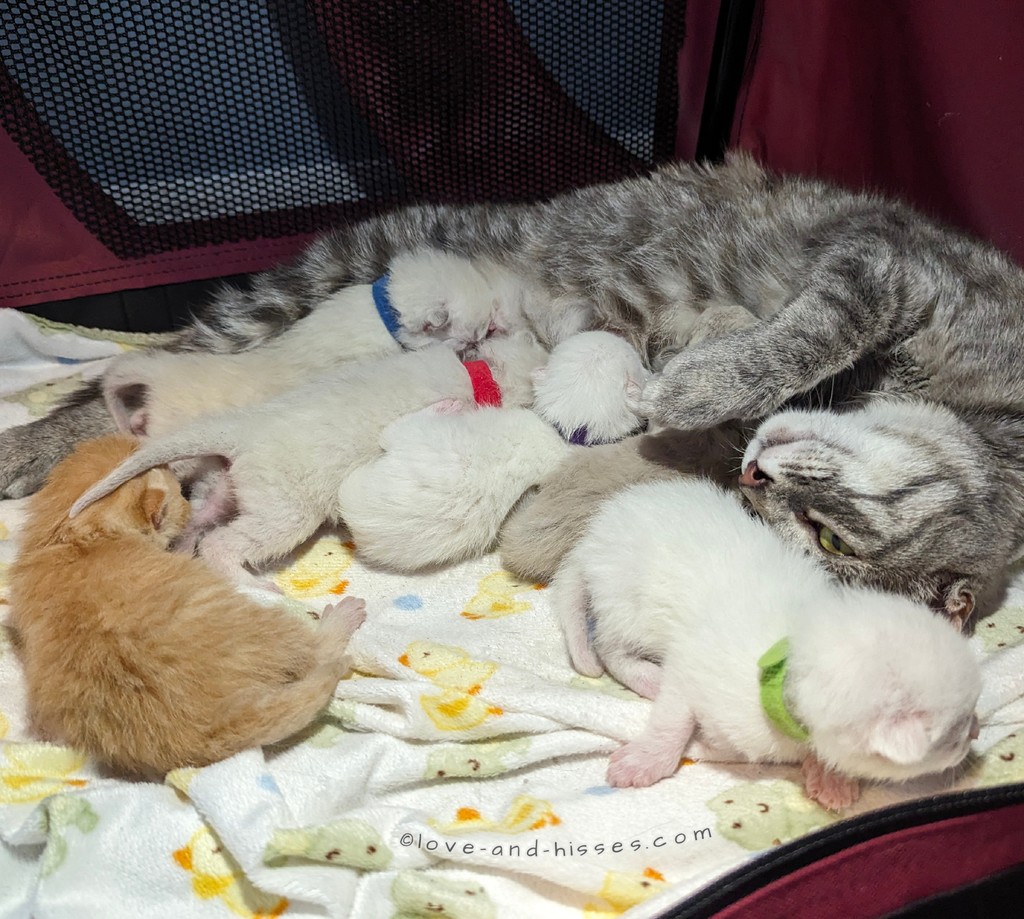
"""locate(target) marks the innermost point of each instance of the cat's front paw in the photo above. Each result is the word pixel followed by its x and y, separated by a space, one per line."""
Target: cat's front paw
pixel 703 387
pixel 832 790
pixel 639 764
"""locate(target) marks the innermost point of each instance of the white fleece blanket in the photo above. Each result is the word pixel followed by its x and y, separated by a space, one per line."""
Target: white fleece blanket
pixel 459 772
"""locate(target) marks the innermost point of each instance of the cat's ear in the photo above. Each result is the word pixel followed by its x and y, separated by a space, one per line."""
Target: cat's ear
pixel 955 599
pixel 902 739
pixel 127 404
pixel 436 319
pixel 154 504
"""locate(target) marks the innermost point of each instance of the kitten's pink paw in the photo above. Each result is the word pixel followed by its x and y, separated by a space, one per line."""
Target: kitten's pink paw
pixel 448 407
pixel 832 790
pixel 638 765
pixel 346 615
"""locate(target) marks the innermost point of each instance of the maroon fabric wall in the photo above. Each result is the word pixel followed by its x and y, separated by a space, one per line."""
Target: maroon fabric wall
pixel 892 871
pixel 924 100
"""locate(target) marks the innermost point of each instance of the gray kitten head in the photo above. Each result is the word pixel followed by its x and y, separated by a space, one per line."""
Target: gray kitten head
pixel 899 495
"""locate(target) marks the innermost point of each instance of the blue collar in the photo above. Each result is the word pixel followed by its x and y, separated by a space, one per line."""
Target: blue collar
pixel 385 308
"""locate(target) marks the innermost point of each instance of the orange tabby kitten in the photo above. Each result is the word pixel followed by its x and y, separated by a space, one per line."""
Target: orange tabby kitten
pixel 144 658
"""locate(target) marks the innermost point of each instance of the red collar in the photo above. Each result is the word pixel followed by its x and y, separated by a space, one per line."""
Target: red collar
pixel 485 388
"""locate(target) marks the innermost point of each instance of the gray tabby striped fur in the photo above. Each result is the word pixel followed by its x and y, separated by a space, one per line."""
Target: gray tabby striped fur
pixel 856 295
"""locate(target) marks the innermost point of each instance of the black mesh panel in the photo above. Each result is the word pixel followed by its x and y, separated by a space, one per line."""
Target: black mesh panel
pixel 171 124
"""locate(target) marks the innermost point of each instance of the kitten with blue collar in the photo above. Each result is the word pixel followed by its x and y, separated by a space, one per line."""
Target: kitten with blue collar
pixel 687 599
pixel 426 297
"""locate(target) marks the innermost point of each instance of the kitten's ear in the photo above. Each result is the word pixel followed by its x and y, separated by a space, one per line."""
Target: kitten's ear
pixel 154 504
pixel 955 598
pixel 902 739
pixel 436 319
pixel 127 403
pixel 633 389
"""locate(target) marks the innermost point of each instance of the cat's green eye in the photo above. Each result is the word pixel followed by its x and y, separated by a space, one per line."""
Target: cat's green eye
pixel 832 543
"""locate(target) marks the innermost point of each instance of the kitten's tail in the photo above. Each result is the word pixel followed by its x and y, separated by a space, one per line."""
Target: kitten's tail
pixel 569 601
pixel 187 444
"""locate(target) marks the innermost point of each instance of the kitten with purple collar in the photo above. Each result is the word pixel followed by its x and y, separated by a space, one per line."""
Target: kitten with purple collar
pixel 688 600
pixel 452 478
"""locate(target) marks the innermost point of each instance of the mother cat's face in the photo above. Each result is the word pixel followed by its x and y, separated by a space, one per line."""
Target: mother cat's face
pixel 897 495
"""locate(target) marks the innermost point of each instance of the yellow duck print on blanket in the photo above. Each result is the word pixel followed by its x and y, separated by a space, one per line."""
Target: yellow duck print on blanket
pixel 317 571
pixel 461 678
pixel 524 814
pixel 216 874
pixel 496 597
pixel 623 891
pixel 34 771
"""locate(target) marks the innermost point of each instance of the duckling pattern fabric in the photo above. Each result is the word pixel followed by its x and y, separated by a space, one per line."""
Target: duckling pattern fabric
pixel 459 771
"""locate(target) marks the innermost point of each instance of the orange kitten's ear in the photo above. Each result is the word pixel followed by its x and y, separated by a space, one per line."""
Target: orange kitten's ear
pixel 154 503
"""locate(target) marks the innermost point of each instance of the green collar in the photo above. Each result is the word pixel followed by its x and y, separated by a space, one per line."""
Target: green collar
pixel 773 665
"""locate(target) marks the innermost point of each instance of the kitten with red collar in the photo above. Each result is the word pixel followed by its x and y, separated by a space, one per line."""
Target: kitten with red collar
pixel 426 297
pixel 287 457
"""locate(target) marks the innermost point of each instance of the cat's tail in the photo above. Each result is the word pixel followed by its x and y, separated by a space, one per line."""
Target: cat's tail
pixel 195 441
pixel 279 712
pixel 569 601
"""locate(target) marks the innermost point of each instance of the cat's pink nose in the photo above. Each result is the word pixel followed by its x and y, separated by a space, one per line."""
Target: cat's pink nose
pixel 754 476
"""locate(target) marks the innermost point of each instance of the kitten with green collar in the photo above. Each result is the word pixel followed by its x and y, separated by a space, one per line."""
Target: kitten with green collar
pixel 685 598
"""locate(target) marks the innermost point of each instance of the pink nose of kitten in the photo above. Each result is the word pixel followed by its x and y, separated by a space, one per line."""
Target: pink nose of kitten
pixel 753 476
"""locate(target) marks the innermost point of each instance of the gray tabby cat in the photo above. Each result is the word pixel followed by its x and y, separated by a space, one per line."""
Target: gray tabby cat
pixel 858 294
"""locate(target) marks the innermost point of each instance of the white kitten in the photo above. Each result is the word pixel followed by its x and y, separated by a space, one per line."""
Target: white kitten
pixel 453 479
pixel 445 483
pixel 288 456
pixel 428 296
pixel 678 573
pixel 584 389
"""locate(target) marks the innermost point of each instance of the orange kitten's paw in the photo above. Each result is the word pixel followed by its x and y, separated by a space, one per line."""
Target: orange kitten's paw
pixel 345 616
pixel 832 790
pixel 640 764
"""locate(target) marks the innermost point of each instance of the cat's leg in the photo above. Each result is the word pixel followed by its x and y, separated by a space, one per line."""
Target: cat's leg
pixel 717 321
pixel 656 753
pixel 839 316
pixel 632 671
pixel 568 594
pixel 254 538
pixel 215 504
pixel 270 713
pixel 832 790
pixel 28 452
